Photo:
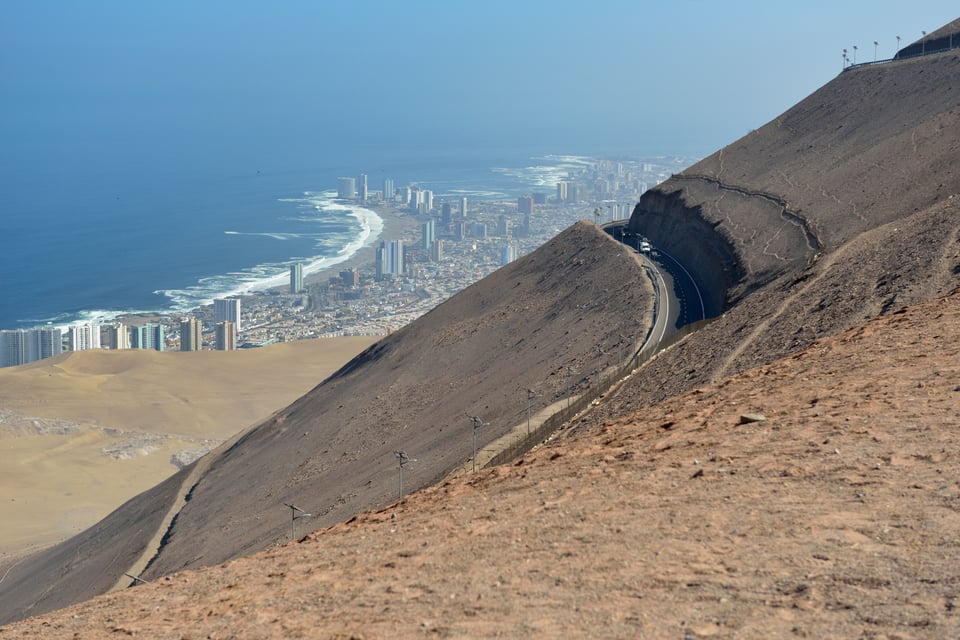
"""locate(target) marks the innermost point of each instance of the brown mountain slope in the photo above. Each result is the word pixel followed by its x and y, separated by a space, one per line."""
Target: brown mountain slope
pixel 332 451
pixel 834 517
pixel 842 209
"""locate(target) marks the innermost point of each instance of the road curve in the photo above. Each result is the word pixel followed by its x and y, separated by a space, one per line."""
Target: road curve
pixel 679 300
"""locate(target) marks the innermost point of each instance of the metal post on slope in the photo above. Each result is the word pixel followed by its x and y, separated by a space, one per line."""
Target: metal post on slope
pixel 530 396
pixel 294 510
pixel 477 423
pixel 402 459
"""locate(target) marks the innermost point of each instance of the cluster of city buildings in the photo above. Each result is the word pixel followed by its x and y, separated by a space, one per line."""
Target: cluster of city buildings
pixel 446 245
pixel 22 346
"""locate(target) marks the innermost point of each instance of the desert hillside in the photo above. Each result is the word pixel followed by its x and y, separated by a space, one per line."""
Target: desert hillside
pixel 835 516
pixel 332 451
pixel 84 432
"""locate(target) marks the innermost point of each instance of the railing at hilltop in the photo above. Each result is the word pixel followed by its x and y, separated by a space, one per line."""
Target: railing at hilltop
pixel 931 47
pixel 525 443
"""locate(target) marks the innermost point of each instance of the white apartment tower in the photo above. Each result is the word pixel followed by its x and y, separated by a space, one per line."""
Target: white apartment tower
pixel 228 309
pixel 82 337
pixel 296 278
pixel 362 188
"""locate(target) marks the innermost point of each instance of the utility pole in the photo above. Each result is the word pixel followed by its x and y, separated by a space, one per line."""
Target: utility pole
pixel 294 510
pixel 477 423
pixel 600 352
pixel 569 387
pixel 923 46
pixel 530 396
pixel 402 459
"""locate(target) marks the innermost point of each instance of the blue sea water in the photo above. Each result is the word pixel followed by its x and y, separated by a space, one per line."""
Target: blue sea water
pixel 89 243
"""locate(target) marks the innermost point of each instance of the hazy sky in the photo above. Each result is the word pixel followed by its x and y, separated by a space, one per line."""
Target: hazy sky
pixel 677 76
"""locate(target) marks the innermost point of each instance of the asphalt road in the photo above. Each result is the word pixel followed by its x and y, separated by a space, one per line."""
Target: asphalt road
pixel 680 301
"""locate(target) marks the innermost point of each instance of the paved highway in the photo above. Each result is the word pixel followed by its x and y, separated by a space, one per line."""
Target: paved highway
pixel 679 300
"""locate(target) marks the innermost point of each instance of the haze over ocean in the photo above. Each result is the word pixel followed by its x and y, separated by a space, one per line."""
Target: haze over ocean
pixel 173 242
pixel 134 137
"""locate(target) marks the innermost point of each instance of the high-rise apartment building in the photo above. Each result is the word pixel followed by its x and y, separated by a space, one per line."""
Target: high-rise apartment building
pixel 525 204
pixel 20 346
pixel 390 258
pixel 503 227
pixel 228 309
pixel 446 215
pixel 51 342
pixel 508 253
pixel 463 207
pixel 429 229
pixel 82 337
pixel 11 347
pixel 362 188
pixel 416 199
pixel 191 335
pixel 296 278
pixel 436 251
pixel 116 336
pixel 226 336
pixel 350 277
pixel 147 336
pixel 346 188
pixel 562 191
pixel 388 191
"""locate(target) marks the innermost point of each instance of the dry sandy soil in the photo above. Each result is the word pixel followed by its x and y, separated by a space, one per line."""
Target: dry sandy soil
pixel 86 431
pixel 836 516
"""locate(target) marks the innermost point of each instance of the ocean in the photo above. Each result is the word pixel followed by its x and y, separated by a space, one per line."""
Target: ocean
pixel 90 243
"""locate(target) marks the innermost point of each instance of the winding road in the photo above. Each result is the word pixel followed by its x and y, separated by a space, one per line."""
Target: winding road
pixel 679 301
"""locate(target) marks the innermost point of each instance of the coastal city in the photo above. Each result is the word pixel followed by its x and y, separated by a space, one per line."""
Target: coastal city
pixel 430 249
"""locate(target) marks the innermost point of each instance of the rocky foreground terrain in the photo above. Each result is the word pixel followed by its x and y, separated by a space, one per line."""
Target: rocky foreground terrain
pixel 835 516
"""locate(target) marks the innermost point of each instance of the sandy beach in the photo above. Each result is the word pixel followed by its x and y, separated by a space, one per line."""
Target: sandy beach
pixel 396 225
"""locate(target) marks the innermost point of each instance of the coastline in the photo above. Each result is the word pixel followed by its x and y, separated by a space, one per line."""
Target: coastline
pixel 395 225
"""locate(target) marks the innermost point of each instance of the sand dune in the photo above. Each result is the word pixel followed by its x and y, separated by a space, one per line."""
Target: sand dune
pixel 83 432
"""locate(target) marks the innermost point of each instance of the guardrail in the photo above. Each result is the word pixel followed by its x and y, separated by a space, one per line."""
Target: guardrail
pixel 931 48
